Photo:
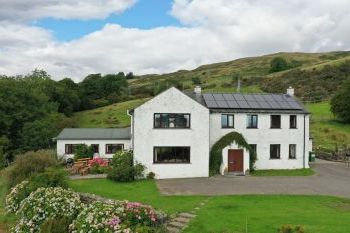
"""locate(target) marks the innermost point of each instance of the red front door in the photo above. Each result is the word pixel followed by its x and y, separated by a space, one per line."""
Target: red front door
pixel 235 160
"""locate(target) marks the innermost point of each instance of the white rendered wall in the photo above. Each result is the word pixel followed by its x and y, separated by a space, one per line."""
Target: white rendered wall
pixel 102 146
pixel 196 137
pixel 263 136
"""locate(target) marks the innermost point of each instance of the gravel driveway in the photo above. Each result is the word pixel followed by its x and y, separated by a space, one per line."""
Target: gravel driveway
pixel 330 179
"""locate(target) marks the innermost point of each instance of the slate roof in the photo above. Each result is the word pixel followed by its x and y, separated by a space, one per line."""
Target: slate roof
pixel 94 133
pixel 237 102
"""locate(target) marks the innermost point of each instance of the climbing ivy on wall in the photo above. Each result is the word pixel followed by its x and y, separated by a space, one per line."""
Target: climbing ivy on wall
pixel 215 159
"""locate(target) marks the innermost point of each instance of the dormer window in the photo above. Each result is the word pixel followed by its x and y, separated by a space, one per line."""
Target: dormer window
pixel 172 120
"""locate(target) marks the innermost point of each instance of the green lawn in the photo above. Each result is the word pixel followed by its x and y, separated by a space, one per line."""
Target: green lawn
pixel 114 115
pixel 326 130
pixel 291 172
pixel 142 191
pixel 259 213
pixel 5 220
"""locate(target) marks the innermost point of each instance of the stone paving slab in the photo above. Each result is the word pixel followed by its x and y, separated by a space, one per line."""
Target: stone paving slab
pixel 331 178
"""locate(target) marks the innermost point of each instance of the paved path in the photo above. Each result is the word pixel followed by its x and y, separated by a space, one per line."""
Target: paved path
pixel 330 179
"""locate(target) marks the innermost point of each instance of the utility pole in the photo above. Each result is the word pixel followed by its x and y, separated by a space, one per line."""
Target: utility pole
pixel 239 85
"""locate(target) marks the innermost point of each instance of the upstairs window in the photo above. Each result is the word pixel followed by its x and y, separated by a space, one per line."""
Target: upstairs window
pixel 292 151
pixel 172 120
pixel 293 121
pixel 275 121
pixel 113 148
pixel 227 121
pixel 275 151
pixel 172 155
pixel 252 121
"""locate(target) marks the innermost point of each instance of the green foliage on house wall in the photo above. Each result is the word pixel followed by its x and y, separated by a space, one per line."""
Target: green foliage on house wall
pixel 215 159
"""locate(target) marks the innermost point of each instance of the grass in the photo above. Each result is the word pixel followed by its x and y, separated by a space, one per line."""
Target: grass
pixel 114 115
pixel 5 220
pixel 143 191
pixel 277 172
pixel 325 129
pixel 254 213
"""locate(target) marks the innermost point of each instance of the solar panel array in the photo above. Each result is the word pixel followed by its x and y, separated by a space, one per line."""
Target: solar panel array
pixel 251 101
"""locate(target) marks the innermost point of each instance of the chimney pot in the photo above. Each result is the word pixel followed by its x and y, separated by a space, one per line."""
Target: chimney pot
pixel 197 90
pixel 290 91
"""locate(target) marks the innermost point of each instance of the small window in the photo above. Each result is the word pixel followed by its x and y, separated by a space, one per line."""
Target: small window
pixel 171 155
pixel 292 151
pixel 275 151
pixel 69 149
pixel 252 121
pixel 113 148
pixel 227 121
pixel 275 121
pixel 254 147
pixel 293 121
pixel 171 120
pixel 95 148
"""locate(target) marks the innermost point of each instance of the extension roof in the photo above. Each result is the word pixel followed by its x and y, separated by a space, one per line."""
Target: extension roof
pixel 94 133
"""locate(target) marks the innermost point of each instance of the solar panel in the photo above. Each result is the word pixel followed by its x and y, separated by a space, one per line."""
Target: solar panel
pixel 264 105
pixel 277 97
pixel 274 105
pixel 211 104
pixel 218 97
pixel 295 105
pixel 208 97
pixel 243 104
pixel 222 104
pixel 254 104
pixel 232 104
pixel 249 98
pixel 238 97
pixel 229 97
pixel 258 97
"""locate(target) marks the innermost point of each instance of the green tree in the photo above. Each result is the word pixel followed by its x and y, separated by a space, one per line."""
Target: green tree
pixel 278 64
pixel 340 103
pixel 196 81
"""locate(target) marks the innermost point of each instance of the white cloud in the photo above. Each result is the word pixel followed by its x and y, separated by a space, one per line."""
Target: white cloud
pixel 21 10
pixel 214 31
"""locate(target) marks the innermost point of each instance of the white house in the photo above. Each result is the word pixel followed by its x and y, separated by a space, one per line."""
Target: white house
pixel 173 133
pixel 105 142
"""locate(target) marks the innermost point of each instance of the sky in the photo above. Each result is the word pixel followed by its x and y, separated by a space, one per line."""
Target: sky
pixel 74 38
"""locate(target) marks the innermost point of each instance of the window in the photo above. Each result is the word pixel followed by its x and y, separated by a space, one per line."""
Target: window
pixel 69 149
pixel 275 151
pixel 171 120
pixel 252 121
pixel 227 121
pixel 275 121
pixel 293 121
pixel 95 148
pixel 253 146
pixel 292 151
pixel 113 148
pixel 171 155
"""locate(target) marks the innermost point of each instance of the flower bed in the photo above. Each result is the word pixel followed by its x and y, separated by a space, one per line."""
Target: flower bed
pixel 16 195
pixel 46 203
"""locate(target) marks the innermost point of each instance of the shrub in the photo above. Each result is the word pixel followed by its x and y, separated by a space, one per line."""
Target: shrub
pixel 45 203
pixel 56 225
pixel 114 216
pixel 29 164
pixel 83 151
pixel 123 169
pixel 97 169
pixel 151 175
pixel 16 195
pixel 290 229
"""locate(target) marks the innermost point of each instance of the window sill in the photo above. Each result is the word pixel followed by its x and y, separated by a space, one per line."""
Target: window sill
pixel 170 128
pixel 252 127
pixel 227 127
pixel 293 128
pixel 292 158
pixel 276 128
pixel 275 158
pixel 172 163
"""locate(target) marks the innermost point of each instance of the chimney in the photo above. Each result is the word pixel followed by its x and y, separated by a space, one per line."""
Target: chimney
pixel 197 90
pixel 290 91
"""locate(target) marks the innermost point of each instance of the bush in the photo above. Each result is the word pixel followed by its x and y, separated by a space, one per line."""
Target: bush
pixel 45 203
pixel 151 175
pixel 56 225
pixel 114 216
pixel 83 151
pixel 29 164
pixel 123 169
pixel 50 178
pixel 289 229
pixel 340 103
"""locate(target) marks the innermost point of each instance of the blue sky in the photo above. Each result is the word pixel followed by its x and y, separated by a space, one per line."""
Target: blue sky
pixel 145 14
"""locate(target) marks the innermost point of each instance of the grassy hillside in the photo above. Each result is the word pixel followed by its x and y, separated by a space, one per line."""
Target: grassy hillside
pixel 219 76
pixel 326 130
pixel 110 116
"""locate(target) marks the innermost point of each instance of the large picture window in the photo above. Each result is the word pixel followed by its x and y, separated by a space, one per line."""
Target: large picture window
pixel 113 148
pixel 171 155
pixel 275 151
pixel 275 121
pixel 227 121
pixel 252 121
pixel 172 120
